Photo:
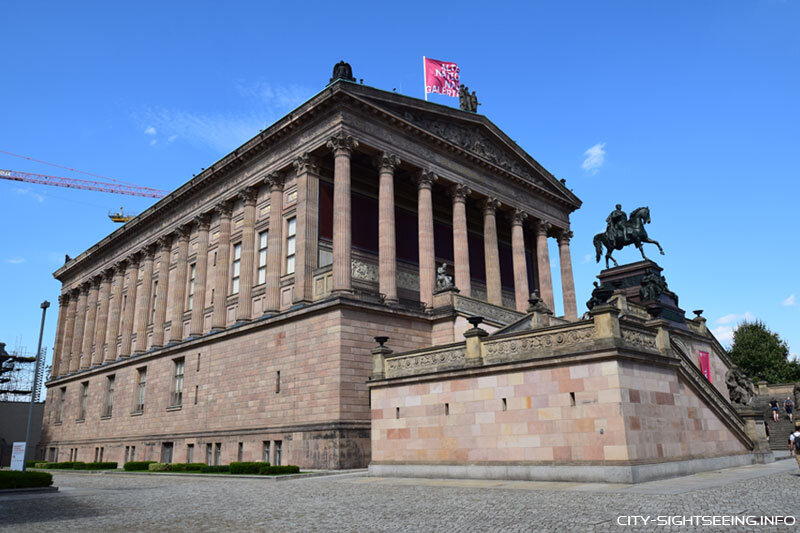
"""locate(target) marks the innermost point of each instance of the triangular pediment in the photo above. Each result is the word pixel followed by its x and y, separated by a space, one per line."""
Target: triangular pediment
pixel 475 134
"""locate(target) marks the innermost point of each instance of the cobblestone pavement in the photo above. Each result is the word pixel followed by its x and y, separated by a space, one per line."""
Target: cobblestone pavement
pixel 120 502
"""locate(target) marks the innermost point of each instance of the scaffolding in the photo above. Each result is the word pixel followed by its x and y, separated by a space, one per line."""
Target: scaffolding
pixel 17 374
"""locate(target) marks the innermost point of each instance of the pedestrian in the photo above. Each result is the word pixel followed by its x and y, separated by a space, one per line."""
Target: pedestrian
pixel 794 443
pixel 788 405
pixel 773 403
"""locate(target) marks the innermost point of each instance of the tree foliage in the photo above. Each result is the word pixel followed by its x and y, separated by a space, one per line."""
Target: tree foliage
pixel 762 354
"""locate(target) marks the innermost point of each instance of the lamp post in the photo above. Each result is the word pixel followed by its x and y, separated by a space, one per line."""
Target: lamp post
pixel 44 306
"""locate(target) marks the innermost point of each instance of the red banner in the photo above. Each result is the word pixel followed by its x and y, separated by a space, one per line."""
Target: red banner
pixel 441 77
pixel 705 365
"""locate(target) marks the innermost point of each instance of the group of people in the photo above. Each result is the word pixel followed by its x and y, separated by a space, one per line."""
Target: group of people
pixel 788 406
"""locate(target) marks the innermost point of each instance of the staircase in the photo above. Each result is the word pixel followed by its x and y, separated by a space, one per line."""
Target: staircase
pixel 778 431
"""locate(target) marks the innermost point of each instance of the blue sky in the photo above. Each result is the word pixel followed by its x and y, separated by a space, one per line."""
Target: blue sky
pixel 688 107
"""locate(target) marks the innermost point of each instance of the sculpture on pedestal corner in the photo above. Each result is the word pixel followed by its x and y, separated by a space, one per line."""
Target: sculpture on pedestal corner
pixel 342 71
pixel 443 280
pixel 622 230
pixel 740 389
pixel 467 101
pixel 653 286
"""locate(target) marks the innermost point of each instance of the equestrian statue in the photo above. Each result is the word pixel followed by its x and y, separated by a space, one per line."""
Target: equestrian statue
pixel 623 230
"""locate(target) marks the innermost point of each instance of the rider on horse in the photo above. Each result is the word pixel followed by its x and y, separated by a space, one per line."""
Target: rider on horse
pixel 616 229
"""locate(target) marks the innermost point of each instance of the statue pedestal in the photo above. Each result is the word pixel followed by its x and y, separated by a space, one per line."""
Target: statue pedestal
pixel 754 427
pixel 639 282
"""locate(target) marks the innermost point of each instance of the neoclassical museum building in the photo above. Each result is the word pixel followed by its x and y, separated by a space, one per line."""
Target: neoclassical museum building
pixel 235 318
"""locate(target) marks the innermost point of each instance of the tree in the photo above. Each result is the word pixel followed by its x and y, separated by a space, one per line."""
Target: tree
pixel 762 354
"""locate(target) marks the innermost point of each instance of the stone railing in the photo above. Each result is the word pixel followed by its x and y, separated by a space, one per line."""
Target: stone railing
pixel 639 338
pixel 537 344
pixel 424 361
pixel 490 312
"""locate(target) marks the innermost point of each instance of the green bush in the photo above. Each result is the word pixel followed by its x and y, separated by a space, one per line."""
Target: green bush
pixel 79 465
pixel 279 470
pixel 108 465
pixel 215 468
pixel 132 466
pixel 30 464
pixel 247 467
pixel 186 467
pixel 40 465
pixel 66 465
pixel 159 467
pixel 12 479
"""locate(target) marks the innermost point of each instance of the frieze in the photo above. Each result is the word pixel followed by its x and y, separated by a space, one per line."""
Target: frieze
pixel 639 339
pixel 491 312
pixel 407 280
pixel 537 345
pixel 363 271
pixel 426 362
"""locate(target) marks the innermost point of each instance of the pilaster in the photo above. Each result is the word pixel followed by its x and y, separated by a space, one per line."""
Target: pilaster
pixel 463 280
pixel 112 330
pixel 427 257
pixel 219 319
pixel 129 311
pixel 342 146
pixel 494 291
pixel 244 309
pixel 387 251
pixel 543 257
pixel 102 318
pixel 143 304
pixel 272 285
pixel 200 276
pixel 80 322
pixel 307 168
pixel 88 328
pixel 162 290
pixel 178 289
pixel 521 292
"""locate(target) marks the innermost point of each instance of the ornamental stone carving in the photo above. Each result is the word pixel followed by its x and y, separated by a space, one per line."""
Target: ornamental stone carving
pixel 274 181
pixel 306 163
pixel 517 217
pixel 342 144
pixel 363 271
pixel 537 345
pixel 564 236
pixel 459 192
pixel 425 362
pixel 248 195
pixel 426 179
pixel 639 339
pixel 203 222
pixel 543 227
pixel 490 206
pixel 224 208
pixel 492 312
pixel 386 162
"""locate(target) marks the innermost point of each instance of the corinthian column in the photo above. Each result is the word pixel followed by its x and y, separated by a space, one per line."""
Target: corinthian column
pixel 342 146
pixel 272 285
pixel 88 327
pixel 112 330
pixel 129 313
pixel 494 291
pixel 77 335
pixel 102 318
pixel 244 309
pixel 200 277
pixel 143 305
pixel 219 318
pixel 567 283
pixel 543 255
pixel 162 290
pixel 460 244
pixel 178 289
pixel 63 306
pixel 427 257
pixel 307 169
pixel 521 292
pixel 69 333
pixel 387 252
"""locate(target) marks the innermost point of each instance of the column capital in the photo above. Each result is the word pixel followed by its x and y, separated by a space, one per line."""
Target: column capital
pixel 517 217
pixel 203 222
pixel 490 205
pixel 224 208
pixel 63 299
pixel 543 227
pixel 84 287
pixel 274 181
pixel 120 266
pixel 108 274
pixel 148 251
pixel 306 163
pixel 564 236
pixel 342 144
pixel 183 232
pixel 459 192
pixel 95 282
pixel 248 195
pixel 134 258
pixel 165 242
pixel 425 179
pixel 386 162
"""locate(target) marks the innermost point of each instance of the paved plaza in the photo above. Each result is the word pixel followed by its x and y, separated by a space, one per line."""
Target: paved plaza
pixel 355 502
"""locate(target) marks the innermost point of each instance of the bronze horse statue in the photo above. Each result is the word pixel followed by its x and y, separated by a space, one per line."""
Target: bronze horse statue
pixel 634 234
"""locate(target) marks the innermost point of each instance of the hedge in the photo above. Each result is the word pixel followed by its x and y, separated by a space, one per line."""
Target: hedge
pixel 31 463
pixel 252 467
pixel 131 466
pixel 158 467
pixel 279 470
pixel 215 469
pixel 107 465
pixel 12 479
pixel 186 467
pixel 41 464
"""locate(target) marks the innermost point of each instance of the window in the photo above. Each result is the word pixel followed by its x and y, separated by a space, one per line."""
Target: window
pixel 153 299
pixel 217 453
pixel 237 264
pixel 84 399
pixel 240 453
pixel 190 453
pixel 133 453
pixel 109 396
pixel 166 452
pixel 141 386
pixel 209 452
pixel 127 452
pixel 266 457
pixel 277 382
pixel 291 236
pixel 262 257
pixel 62 396
pixel 177 382
pixel 278 452
pixel 192 272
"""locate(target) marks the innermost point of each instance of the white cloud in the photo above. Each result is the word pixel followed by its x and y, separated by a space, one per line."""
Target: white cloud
pixel 789 301
pixel 595 157
pixel 275 97
pixel 724 334
pixel 172 138
pixel 733 317
pixel 153 142
pixel 149 130
pixel 15 260
pixel 588 258
pixel 27 192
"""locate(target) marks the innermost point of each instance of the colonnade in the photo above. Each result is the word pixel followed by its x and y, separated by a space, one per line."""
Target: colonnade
pixel 96 317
